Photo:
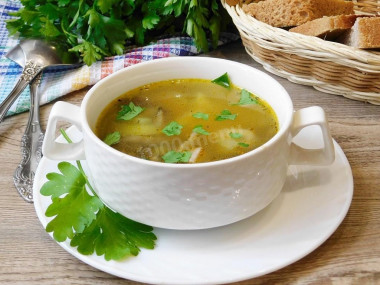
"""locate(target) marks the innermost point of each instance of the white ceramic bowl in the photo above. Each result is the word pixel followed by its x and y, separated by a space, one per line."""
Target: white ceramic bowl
pixel 188 196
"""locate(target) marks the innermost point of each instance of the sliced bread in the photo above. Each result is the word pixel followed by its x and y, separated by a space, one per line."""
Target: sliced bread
pixel 327 28
pixel 289 13
pixel 365 33
pixel 241 2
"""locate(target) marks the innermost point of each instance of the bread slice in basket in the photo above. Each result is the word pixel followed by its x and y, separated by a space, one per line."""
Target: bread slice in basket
pixel 289 13
pixel 365 34
pixel 327 28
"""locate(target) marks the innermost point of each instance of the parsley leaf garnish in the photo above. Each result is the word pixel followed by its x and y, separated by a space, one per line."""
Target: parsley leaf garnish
pixel 225 115
pixel 223 81
pixel 176 157
pixel 243 144
pixel 112 138
pixel 235 135
pixel 173 128
pixel 200 115
pixel 246 99
pixel 80 215
pixel 129 111
pixel 200 130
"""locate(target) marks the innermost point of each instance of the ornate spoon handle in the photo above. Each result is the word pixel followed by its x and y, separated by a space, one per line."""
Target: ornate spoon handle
pixel 31 144
pixel 30 71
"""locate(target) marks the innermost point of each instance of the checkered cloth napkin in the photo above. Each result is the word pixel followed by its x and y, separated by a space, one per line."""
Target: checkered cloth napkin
pixel 61 81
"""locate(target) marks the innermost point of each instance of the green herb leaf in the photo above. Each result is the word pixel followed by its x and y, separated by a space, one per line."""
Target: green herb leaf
pixel 95 29
pixel 128 112
pixel 173 128
pixel 150 21
pixel 243 144
pixel 235 135
pixel 89 51
pixel 200 130
pixel 176 157
pixel 50 10
pixel 74 211
pixel 246 99
pixel 49 30
pixel 223 80
pixel 84 219
pixel 225 115
pixel 200 115
pixel 105 5
pixel 63 2
pixel 113 236
pixel 112 138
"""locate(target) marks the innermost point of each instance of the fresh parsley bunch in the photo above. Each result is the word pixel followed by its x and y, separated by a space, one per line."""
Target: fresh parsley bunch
pixel 98 28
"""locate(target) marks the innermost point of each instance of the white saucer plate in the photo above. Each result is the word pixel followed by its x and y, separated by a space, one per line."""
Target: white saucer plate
pixel 313 203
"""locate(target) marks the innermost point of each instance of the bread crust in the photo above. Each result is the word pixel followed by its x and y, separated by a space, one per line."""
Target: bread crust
pixel 327 28
pixel 365 34
pixel 289 13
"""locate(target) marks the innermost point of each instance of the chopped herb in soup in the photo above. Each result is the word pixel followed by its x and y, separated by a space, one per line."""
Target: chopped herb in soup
pixel 187 121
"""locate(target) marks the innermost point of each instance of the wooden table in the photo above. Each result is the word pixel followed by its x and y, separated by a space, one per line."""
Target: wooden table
pixel 350 256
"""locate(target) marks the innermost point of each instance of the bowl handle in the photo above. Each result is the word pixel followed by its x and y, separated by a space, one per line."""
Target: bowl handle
pixel 54 150
pixel 307 117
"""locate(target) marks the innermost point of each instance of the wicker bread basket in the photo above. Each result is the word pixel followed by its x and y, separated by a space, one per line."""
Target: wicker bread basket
pixel 330 67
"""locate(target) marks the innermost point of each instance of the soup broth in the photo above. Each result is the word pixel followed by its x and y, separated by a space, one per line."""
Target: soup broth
pixel 186 121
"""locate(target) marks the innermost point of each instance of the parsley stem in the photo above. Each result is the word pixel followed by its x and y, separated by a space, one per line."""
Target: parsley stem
pixel 67 138
pixel 75 19
pixel 70 36
pixel 64 134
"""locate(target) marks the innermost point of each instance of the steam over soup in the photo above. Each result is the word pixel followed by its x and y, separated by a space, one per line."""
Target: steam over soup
pixel 187 121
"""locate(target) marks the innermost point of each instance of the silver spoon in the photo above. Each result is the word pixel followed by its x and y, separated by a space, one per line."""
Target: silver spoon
pixel 31 145
pixel 31 141
pixel 37 56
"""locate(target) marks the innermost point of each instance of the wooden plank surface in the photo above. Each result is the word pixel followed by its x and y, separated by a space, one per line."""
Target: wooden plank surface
pixel 350 256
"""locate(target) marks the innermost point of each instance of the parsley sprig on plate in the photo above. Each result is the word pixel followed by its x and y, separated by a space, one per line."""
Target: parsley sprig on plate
pixel 78 214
